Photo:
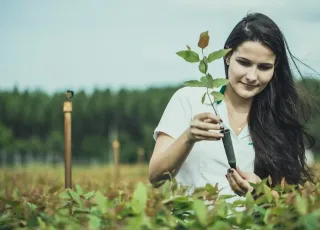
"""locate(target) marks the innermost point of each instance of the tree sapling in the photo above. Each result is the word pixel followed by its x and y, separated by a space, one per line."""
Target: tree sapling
pixel 207 81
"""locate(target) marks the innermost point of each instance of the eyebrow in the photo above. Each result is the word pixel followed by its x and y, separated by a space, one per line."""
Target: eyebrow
pixel 244 59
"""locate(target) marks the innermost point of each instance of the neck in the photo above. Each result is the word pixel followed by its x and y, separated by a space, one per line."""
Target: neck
pixel 239 104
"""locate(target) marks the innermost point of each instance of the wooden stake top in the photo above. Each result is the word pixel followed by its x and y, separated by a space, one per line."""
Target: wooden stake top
pixel 69 95
pixel 115 144
pixel 67 105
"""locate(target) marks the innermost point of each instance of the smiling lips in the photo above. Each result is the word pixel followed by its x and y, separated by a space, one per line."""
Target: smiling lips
pixel 249 85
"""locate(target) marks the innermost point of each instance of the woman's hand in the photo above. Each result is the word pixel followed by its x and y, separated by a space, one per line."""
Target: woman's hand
pixel 200 126
pixel 239 181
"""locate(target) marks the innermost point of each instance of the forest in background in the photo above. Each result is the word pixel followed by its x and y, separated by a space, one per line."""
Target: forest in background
pixel 32 122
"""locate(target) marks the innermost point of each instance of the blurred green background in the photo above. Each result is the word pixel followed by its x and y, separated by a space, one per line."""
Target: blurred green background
pixel 32 124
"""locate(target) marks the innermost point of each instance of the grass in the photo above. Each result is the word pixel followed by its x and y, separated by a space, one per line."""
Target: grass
pixel 41 177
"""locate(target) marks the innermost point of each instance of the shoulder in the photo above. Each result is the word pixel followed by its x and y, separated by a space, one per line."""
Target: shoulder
pixel 190 93
pixel 193 96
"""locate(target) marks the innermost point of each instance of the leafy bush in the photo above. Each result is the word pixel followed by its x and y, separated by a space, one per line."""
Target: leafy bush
pixel 134 204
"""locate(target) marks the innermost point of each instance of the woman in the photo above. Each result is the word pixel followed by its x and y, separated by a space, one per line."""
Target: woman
pixel 261 107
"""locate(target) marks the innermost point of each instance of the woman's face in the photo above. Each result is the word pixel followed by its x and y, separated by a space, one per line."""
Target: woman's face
pixel 251 67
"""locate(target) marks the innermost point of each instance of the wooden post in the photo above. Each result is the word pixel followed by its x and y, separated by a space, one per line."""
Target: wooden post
pixel 140 155
pixel 67 110
pixel 116 156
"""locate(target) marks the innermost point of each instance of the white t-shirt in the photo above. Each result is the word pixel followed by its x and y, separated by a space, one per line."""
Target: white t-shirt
pixel 207 161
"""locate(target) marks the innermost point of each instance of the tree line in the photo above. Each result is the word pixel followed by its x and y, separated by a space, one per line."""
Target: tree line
pixel 33 121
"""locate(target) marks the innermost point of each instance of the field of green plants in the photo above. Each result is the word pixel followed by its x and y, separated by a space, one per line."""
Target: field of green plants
pixel 35 198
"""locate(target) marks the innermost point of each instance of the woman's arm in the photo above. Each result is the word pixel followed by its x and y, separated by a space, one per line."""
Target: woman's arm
pixel 169 154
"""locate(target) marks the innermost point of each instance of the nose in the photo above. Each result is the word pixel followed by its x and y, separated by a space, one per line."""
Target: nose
pixel 252 75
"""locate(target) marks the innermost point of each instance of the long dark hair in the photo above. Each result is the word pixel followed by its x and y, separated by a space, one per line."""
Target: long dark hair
pixel 278 114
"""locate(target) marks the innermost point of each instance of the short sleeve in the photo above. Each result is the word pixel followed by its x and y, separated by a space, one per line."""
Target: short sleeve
pixel 176 117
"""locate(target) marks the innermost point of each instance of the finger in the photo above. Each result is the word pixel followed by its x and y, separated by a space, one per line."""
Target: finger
pixel 233 184
pixel 214 119
pixel 238 183
pixel 207 138
pixel 206 134
pixel 209 120
pixel 242 174
pixel 242 183
pixel 204 125
pixel 239 193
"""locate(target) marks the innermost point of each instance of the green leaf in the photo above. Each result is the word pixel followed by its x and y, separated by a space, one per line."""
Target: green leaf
pixel 301 205
pixel 213 190
pixel 193 83
pixel 64 195
pixel 249 200
pixel 79 189
pixel 33 207
pixel 224 197
pixel 205 60
pixel 95 210
pixel 139 222
pixel 201 212
pixel 217 54
pixel 32 222
pixel 94 222
pixel 16 193
pixel 189 55
pixel 244 220
pixel 139 198
pixel 207 81
pixel 134 223
pixel 101 201
pixel 63 212
pixel 259 209
pixel 176 199
pixel 88 195
pixel 76 197
pixel 218 82
pixel 268 193
pixel 203 98
pixel 220 225
pixel 309 221
pixel 5 217
pixel 266 216
pixel 173 185
pixel 203 67
pixel 217 96
pixel 41 223
pixel 222 209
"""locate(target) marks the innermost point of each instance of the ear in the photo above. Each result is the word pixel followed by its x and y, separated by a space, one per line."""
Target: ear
pixel 227 59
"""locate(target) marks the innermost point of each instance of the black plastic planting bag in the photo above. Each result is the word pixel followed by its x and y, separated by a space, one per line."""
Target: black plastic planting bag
pixel 228 146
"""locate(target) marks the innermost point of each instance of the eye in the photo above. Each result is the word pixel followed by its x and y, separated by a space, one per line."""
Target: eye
pixel 265 67
pixel 244 63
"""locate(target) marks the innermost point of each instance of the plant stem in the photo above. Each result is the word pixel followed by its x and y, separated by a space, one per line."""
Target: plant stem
pixel 211 102
pixel 208 91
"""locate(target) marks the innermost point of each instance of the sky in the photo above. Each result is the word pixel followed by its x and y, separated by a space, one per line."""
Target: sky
pixel 78 44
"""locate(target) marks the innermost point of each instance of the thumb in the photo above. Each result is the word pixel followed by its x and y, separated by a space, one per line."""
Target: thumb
pixel 242 174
